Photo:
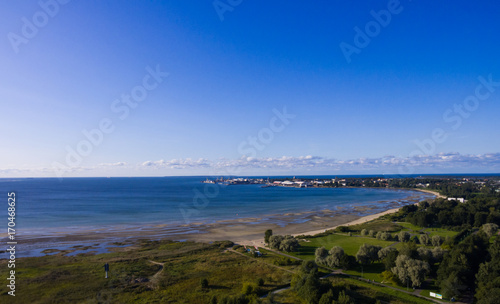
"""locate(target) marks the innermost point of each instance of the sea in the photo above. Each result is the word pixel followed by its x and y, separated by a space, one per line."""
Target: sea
pixel 73 203
pixel 53 205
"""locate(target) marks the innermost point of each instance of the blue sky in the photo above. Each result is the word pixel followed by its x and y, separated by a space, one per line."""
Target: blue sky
pixel 229 73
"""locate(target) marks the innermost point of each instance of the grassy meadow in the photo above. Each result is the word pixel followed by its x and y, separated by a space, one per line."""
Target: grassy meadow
pixel 172 272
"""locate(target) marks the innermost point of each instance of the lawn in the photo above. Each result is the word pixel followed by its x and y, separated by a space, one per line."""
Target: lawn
pixel 411 228
pixel 431 231
pixel 441 232
pixel 350 244
pixel 370 272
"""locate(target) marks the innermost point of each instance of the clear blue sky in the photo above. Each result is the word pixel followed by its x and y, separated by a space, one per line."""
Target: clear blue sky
pixel 227 78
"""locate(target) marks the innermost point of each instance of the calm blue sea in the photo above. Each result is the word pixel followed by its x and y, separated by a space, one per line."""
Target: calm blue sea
pixel 86 203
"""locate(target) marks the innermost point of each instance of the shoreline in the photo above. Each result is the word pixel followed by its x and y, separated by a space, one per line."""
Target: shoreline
pixel 359 220
pixel 248 231
pixel 437 194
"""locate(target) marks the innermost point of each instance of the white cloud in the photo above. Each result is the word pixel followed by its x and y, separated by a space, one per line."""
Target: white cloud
pixel 438 163
pixel 443 160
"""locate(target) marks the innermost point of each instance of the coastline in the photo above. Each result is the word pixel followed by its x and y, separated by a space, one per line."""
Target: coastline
pixel 358 220
pixel 247 231
pixel 437 194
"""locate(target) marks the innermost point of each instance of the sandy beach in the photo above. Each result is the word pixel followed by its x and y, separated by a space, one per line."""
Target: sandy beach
pixel 431 192
pixel 339 221
pixel 248 231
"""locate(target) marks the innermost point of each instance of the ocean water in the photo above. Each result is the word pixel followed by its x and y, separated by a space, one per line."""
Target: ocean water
pixel 89 203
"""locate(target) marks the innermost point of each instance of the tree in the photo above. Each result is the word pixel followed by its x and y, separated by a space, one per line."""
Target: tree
pixel 488 277
pixel 437 254
pixel 213 300
pixel 260 282
pixel 409 249
pixel 490 229
pixel 343 229
pixel 364 232
pixel 457 270
pixel 436 240
pixel 390 260
pixel 267 235
pixel 371 233
pixel 480 218
pixel 386 236
pixel 347 262
pixel 204 283
pixel 389 277
pixel 367 253
pixel 275 241
pixel 410 270
pixel 384 252
pixel 423 205
pixel 248 288
pixel 451 287
pixel 388 256
pixel 289 244
pixel 335 257
pixel 321 255
pixel 424 239
pixel 343 298
pixel 309 267
pixel 404 236
pixel 425 254
pixel 306 283
pixel 327 298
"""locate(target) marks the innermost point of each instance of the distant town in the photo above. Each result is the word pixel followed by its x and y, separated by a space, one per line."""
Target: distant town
pixel 467 183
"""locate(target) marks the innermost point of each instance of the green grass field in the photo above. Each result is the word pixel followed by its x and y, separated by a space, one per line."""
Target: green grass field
pixel 431 231
pixel 410 227
pixel 371 272
pixel 441 232
pixel 350 244
pixel 133 278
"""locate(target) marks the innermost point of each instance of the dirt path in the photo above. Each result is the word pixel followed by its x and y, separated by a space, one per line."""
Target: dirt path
pixel 154 278
pixel 283 254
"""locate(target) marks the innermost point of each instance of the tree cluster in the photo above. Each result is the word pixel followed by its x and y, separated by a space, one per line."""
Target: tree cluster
pixel 454 215
pixel 335 258
pixel 284 243
pixel 311 289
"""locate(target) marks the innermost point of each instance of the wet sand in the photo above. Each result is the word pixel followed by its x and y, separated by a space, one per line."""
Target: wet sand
pixel 248 231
